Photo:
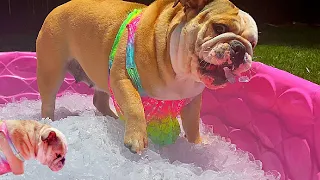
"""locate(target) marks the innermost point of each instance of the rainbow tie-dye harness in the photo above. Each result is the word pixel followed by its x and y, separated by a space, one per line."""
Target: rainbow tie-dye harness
pixel 4 165
pixel 161 115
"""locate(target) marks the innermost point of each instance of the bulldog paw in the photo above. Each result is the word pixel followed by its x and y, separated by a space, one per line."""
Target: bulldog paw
pixel 136 141
pixel 197 140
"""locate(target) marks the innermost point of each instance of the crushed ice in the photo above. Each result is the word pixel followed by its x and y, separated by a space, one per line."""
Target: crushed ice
pixel 96 150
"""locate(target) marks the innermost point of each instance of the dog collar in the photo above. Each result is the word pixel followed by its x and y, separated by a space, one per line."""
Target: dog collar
pixel 4 129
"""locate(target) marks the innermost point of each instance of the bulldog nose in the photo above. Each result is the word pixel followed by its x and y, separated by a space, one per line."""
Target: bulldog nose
pixel 237 53
pixel 63 160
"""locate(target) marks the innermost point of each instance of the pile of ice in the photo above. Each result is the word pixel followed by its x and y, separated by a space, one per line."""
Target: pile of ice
pixel 96 150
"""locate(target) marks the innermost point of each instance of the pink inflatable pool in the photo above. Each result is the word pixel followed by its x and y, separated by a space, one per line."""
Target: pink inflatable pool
pixel 275 116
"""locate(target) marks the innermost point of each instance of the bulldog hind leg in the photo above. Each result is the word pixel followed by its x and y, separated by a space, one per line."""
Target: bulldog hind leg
pixel 101 102
pixel 100 98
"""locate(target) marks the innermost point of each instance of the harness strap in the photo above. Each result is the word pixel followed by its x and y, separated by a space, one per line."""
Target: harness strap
pixel 2 156
pixel 131 24
pixel 4 129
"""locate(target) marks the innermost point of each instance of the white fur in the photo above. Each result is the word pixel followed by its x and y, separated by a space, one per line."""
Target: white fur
pixel 187 83
pixel 184 85
pixel 44 155
pixel 250 31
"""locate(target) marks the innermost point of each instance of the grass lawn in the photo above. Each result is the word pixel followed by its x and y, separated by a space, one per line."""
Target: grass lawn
pixel 295 49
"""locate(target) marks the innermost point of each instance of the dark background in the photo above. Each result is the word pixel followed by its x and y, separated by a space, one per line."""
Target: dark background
pixel 24 17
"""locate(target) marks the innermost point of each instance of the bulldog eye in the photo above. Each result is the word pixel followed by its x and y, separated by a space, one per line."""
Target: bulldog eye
pixel 58 155
pixel 220 28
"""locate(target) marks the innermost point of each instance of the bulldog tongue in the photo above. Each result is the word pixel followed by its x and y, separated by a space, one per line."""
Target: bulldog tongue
pixel 232 78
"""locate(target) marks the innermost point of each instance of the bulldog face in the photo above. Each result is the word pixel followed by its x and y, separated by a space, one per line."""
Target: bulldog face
pixel 52 149
pixel 219 40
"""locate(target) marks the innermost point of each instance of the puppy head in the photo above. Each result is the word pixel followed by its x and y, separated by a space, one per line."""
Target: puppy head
pixel 217 36
pixel 52 148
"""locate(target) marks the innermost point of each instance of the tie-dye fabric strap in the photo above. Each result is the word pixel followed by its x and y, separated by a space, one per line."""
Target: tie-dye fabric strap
pixel 131 24
pixel 4 165
pixel 4 130
pixel 130 64
pixel 163 126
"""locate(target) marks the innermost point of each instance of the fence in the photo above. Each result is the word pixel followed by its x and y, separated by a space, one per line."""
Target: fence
pixel 29 14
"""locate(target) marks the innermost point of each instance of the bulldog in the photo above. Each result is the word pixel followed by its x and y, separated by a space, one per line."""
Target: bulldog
pixel 180 48
pixel 22 140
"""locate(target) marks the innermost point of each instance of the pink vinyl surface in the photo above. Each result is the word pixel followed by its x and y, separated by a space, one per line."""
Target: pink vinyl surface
pixel 275 116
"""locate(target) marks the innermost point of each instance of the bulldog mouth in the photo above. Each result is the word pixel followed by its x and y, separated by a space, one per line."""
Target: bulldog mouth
pixel 223 63
pixel 215 74
pixel 57 164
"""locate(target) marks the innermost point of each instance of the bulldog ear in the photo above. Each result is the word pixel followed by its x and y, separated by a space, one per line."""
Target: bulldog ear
pixel 49 137
pixel 192 4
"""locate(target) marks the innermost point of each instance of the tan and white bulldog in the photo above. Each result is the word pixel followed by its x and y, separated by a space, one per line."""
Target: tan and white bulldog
pixel 22 140
pixel 180 48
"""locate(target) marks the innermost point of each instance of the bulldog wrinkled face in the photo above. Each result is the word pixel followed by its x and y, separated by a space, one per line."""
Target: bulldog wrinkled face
pixel 223 47
pixel 52 149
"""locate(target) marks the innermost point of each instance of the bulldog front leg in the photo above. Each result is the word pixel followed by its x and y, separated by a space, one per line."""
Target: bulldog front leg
pixel 129 100
pixel 190 116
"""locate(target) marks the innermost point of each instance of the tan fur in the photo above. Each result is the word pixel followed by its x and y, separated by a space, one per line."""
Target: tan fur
pixel 85 30
pixel 26 137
